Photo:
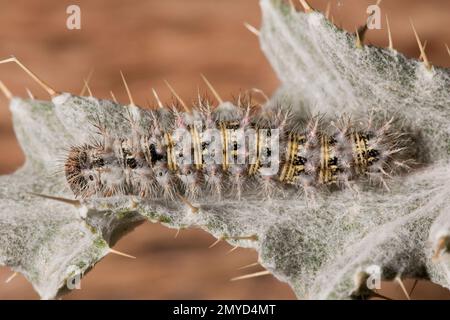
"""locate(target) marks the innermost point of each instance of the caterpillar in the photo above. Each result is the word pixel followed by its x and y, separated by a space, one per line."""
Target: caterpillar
pixel 232 149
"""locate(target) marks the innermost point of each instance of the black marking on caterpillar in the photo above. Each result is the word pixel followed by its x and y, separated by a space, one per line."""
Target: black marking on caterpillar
pixel 230 149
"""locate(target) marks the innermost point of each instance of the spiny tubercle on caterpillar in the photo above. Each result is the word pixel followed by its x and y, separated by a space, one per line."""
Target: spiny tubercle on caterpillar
pixel 230 149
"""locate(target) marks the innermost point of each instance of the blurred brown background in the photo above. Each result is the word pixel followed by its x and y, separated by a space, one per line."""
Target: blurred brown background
pixel 174 40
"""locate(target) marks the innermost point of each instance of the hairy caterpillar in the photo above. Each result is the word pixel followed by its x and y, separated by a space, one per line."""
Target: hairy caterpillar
pixel 230 149
pixel 226 150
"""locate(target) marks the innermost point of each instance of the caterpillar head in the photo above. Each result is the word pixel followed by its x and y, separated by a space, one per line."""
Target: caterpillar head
pixel 81 169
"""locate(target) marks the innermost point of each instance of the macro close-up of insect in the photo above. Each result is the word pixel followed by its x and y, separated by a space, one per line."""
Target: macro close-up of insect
pixel 321 163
